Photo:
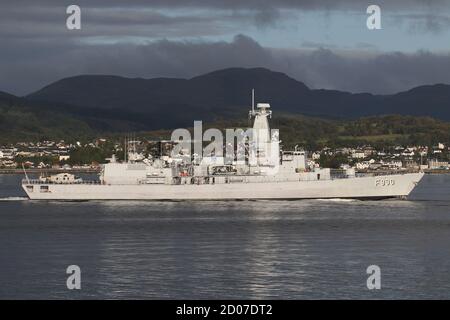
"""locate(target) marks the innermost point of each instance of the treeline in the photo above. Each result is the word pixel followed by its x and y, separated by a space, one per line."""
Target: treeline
pixel 90 154
pixel 378 131
pixel 312 133
pixel 25 123
pixel 315 133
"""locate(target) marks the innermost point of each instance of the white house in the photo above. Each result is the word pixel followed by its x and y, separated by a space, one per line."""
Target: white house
pixel 64 157
pixel 408 153
pixel 394 164
pixel 358 154
pixel 436 164
pixel 362 165
pixel 315 155
pixel 8 153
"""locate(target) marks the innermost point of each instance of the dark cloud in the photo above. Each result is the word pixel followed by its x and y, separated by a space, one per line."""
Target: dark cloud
pixel 236 4
pixel 422 22
pixel 36 66
pixel 115 22
pixel 376 73
pixel 195 18
pixel 266 17
pixel 141 38
pixel 135 12
pixel 318 68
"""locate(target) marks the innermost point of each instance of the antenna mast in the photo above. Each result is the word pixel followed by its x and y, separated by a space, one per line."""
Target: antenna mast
pixel 252 113
pixel 253 101
pixel 125 149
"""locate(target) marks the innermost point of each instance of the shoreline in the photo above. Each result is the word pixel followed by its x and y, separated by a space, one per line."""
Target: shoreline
pixel 92 171
pixel 53 171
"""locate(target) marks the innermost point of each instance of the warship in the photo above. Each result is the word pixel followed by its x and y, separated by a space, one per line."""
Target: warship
pixel 265 172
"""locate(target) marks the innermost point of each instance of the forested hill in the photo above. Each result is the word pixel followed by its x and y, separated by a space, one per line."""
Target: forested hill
pixel 92 105
pixel 21 120
pixel 162 103
pixel 314 132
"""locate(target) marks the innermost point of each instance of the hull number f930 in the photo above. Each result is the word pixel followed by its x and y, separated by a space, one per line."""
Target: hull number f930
pixel 384 182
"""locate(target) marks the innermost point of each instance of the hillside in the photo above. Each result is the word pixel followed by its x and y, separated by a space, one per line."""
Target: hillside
pixel 93 104
pixel 314 133
pixel 20 120
pixel 167 103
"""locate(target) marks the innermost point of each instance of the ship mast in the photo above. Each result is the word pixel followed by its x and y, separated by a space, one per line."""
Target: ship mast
pixel 252 113
pixel 125 149
pixel 264 151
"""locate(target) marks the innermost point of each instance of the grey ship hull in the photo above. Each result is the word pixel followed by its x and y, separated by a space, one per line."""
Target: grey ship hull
pixel 376 187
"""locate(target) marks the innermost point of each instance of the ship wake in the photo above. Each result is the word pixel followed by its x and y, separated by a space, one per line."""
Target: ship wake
pixel 14 199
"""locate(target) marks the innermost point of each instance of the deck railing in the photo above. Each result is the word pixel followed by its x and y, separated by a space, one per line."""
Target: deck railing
pixel 37 181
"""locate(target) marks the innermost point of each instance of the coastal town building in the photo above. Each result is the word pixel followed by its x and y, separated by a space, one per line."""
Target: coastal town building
pixel 58 154
pixel 436 164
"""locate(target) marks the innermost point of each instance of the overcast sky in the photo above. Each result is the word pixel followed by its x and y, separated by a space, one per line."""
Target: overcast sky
pixel 324 43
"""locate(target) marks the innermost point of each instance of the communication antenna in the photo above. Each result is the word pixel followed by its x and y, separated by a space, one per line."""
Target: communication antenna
pixel 253 100
pixel 125 149
pixel 252 113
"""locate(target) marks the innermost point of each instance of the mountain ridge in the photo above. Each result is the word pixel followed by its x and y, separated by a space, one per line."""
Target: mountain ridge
pixel 104 103
pixel 226 93
pixel 25 120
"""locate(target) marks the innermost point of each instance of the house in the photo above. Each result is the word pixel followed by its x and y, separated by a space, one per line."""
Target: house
pixel 393 164
pixel 42 165
pixel 8 153
pixel 411 164
pixel 315 156
pixel 368 151
pixel 28 164
pixel 375 165
pixel 64 157
pixel 343 151
pixel 362 165
pixel 438 148
pixel 436 164
pixel 358 154
pixel 408 153
pixel 8 164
